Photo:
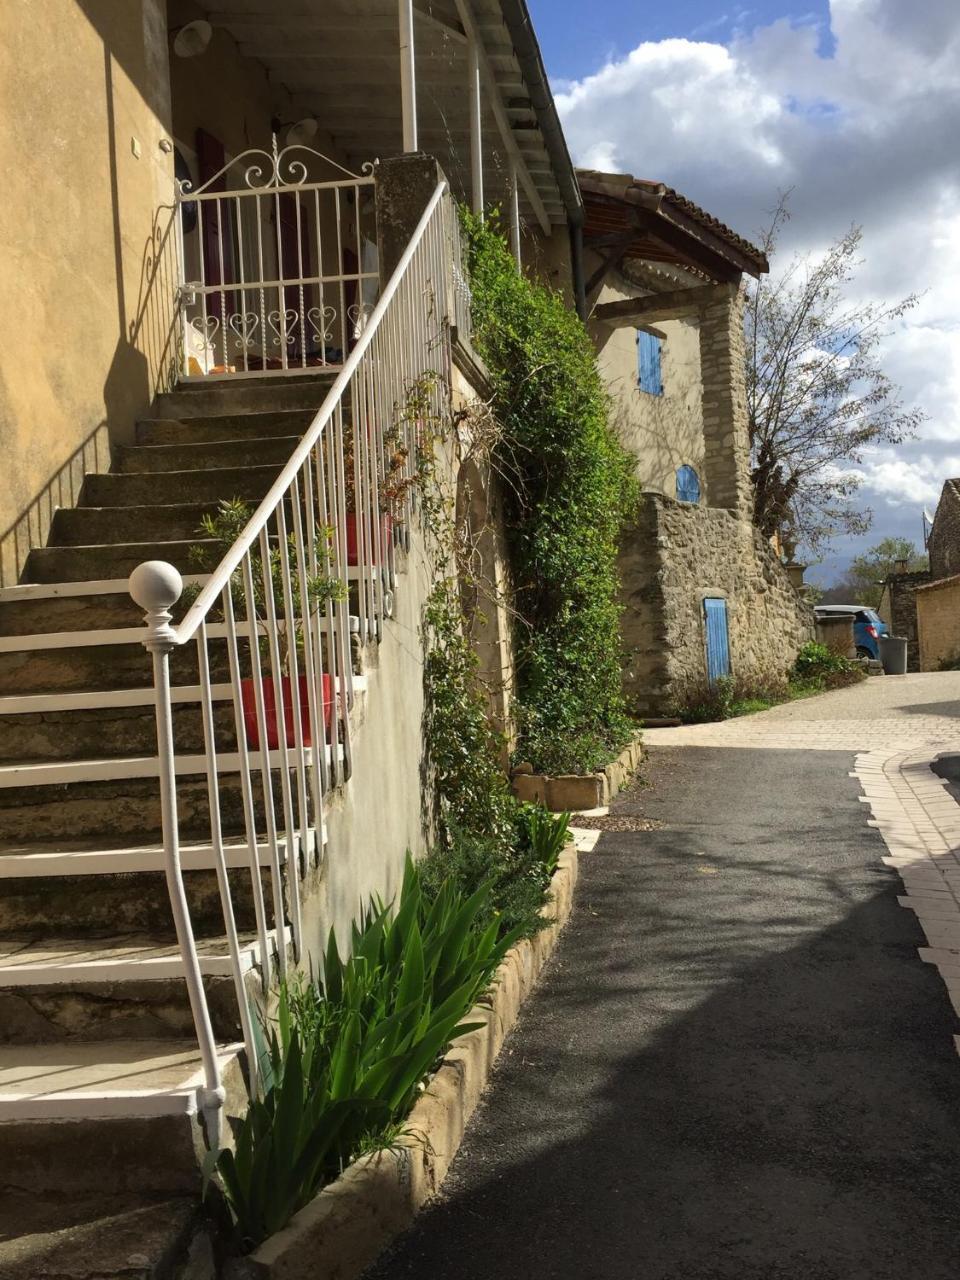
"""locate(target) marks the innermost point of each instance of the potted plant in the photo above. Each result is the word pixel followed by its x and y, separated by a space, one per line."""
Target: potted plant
pixel 220 530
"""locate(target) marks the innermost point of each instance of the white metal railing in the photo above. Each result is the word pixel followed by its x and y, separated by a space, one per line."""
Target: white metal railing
pixel 268 622
pixel 277 273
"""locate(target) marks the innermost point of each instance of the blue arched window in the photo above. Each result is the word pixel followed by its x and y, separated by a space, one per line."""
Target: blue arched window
pixel 688 485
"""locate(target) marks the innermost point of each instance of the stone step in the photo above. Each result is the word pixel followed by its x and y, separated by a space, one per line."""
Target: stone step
pixel 224 426
pixel 245 395
pixel 26 616
pixel 103 1237
pixel 217 454
pixel 208 485
pixel 91 906
pixel 113 731
pixel 112 560
pixel 123 986
pixel 99 667
pixel 115 1115
pixel 125 809
pixel 92 526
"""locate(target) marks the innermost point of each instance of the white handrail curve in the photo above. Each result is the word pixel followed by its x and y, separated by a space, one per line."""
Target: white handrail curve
pixel 221 576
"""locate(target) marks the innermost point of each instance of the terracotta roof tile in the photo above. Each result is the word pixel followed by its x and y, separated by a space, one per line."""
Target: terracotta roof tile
pixel 641 191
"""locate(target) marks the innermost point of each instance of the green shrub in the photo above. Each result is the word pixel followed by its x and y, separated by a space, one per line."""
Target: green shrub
pixel 470 791
pixel 569 490
pixel 817 668
pixel 727 697
pixel 348 1055
pixel 949 664
pixel 518 870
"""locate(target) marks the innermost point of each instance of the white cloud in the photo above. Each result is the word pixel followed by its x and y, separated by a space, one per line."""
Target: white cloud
pixel 868 135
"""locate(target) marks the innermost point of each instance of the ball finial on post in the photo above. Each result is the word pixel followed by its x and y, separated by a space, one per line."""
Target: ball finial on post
pixel 156 586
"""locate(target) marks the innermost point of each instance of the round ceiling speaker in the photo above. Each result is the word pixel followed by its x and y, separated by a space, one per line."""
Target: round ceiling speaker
pixel 192 39
pixel 303 132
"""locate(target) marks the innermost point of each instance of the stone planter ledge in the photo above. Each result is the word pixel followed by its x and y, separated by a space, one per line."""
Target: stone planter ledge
pixel 349 1224
pixel 578 792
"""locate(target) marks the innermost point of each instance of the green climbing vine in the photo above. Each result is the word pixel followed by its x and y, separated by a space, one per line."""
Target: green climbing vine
pixel 568 489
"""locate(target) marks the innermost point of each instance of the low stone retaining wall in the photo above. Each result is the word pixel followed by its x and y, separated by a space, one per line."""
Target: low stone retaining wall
pixel 352 1221
pixel 577 792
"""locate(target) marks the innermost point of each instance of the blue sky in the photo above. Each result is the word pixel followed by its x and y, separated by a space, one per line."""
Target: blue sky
pixel 854 105
pixel 573 48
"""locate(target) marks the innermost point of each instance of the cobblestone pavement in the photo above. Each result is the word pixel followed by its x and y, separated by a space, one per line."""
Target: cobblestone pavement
pixel 889 713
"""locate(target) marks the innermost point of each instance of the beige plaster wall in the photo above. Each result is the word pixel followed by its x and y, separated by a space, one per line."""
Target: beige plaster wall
pixel 938 623
pixel 84 104
pixel 663 432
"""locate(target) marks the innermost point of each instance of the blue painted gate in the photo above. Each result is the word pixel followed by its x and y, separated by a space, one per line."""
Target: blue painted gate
pixel 718 638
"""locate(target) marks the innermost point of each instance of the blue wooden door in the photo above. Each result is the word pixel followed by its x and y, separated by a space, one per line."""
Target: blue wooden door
pixel 718 639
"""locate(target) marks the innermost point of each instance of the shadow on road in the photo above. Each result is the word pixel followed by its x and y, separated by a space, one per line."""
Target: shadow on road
pixel 736 1067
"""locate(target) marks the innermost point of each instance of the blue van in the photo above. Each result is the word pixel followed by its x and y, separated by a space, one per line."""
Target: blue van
pixel 868 626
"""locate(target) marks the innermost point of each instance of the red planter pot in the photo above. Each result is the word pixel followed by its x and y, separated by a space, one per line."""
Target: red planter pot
pixel 272 715
pixel 386 533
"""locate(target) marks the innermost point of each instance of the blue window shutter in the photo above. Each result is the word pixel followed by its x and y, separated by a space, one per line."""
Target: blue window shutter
pixel 649 376
pixel 688 485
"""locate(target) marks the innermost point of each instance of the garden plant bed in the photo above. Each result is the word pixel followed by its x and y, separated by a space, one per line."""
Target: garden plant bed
pixel 345 1228
pixel 579 792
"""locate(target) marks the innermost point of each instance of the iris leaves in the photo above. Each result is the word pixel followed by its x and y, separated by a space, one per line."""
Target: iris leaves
pixel 348 1055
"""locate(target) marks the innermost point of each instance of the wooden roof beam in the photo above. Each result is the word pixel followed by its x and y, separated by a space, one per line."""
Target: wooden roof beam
pixel 673 305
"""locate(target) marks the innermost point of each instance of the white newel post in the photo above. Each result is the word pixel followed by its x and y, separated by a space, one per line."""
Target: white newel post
pixel 156 586
pixel 408 76
pixel 515 214
pixel 476 126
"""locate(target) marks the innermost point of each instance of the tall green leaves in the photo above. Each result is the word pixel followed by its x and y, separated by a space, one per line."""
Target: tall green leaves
pixel 569 490
pixel 348 1056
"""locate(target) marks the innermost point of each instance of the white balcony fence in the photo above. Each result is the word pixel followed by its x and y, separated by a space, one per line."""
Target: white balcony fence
pixel 277 274
pixel 272 635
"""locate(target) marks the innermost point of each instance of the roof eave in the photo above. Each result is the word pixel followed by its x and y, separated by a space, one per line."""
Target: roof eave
pixel 527 49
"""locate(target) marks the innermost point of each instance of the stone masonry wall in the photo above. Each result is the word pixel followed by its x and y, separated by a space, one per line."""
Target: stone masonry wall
pixel 944 546
pixel 898 609
pixel 726 435
pixel 676 555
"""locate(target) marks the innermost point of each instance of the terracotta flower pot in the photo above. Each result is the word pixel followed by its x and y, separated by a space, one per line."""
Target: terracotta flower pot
pixel 386 533
pixel 271 713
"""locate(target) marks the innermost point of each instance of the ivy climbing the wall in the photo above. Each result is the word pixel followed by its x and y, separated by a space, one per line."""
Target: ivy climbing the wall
pixel 568 490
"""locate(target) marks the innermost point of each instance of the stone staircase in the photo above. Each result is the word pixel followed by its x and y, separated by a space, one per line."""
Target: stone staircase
pixel 99 1137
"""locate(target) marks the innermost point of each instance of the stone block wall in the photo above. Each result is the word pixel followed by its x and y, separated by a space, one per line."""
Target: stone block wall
pixel 938 623
pixel 898 609
pixel 726 434
pixel 674 556
pixel 944 544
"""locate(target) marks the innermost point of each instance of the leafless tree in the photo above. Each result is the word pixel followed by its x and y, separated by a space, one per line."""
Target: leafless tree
pixel 817 392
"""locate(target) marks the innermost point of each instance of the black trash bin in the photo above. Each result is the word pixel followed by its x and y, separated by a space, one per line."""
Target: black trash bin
pixel 893 655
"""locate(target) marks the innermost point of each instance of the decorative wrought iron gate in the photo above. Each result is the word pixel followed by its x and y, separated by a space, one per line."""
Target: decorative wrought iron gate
pixel 278 274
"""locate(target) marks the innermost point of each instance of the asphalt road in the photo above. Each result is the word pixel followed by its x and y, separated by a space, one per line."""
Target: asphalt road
pixel 735 1066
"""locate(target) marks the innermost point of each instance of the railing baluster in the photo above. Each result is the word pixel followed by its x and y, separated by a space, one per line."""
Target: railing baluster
pixel 280 696
pixel 293 627
pixel 246 788
pixel 266 776
pixel 220 860
pixel 314 678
